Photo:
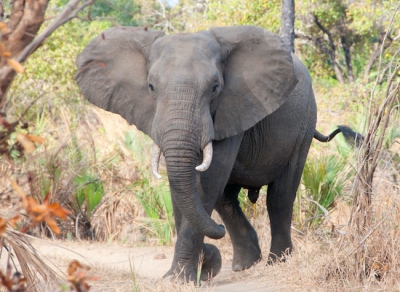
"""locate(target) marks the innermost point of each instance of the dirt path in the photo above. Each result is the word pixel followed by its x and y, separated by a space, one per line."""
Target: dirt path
pixel 113 263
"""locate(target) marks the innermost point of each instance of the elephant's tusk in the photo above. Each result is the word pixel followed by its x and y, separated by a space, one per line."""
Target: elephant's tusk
pixel 207 157
pixel 155 159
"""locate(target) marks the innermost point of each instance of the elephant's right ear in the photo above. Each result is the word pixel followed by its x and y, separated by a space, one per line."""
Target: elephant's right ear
pixel 112 74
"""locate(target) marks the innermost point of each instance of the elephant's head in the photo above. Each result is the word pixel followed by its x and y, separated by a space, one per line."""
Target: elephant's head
pixel 185 90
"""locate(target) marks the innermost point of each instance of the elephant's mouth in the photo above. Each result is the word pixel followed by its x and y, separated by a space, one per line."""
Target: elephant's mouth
pixel 156 154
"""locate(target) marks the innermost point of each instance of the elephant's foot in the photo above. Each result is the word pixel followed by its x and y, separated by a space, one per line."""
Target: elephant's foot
pixel 210 267
pixel 212 262
pixel 274 258
pixel 246 257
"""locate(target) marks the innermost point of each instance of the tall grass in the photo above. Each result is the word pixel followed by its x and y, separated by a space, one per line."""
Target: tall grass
pixel 154 197
pixel 157 204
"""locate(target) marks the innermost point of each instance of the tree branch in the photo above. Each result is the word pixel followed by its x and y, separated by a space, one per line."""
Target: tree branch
pixel 75 13
pixel 331 50
pixel 69 12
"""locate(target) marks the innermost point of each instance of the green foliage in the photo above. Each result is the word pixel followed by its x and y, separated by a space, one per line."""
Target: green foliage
pixel 124 12
pixel 358 23
pixel 155 198
pixel 323 180
pixel 233 12
pixel 248 208
pixel 236 12
pixel 393 136
pixel 157 204
pixel 90 191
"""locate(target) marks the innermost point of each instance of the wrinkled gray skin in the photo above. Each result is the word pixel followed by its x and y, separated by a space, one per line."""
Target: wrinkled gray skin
pixel 235 86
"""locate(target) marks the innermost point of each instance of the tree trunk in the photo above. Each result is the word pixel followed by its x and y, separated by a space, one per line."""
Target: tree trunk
pixel 19 35
pixel 287 19
pixel 346 48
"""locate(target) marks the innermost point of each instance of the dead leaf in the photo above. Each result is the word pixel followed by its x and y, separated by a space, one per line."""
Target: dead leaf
pixel 4 123
pixel 3 26
pixel 77 277
pixel 28 145
pixel 15 283
pixel 41 212
pixel 3 225
pixel 15 65
pixel 15 220
pixel 6 54
pixel 18 189
pixel 36 139
pixel 6 281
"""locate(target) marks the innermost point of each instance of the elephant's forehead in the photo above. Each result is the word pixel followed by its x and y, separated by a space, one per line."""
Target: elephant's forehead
pixel 191 45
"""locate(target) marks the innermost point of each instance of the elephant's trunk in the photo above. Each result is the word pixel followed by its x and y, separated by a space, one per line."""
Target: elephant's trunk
pixel 181 156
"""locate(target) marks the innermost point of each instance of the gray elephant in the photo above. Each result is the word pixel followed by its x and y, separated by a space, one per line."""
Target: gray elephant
pixel 229 108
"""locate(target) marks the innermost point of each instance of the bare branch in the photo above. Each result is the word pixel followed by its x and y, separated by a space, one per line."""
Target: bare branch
pixel 65 15
pixel 331 51
pixel 1 11
pixel 379 113
pixel 75 13
pixel 325 31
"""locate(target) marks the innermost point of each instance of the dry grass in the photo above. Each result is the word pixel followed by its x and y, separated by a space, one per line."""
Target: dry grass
pixel 115 218
pixel 323 259
pixel 22 257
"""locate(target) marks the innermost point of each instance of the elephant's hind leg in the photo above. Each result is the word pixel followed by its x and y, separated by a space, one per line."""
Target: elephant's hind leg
pixel 280 198
pixel 246 250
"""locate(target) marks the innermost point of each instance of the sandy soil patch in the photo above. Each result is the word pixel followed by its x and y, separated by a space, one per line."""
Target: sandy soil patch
pixel 113 262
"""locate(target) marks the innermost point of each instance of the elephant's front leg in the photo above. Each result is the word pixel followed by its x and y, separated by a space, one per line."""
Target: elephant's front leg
pixel 192 254
pixel 190 243
pixel 246 250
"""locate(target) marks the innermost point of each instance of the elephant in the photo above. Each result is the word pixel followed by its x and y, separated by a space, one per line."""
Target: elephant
pixel 229 108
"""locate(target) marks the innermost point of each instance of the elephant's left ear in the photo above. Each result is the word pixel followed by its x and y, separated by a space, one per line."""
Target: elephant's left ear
pixel 258 76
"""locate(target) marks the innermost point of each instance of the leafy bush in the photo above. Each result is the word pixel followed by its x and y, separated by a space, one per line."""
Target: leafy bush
pixel 154 197
pixel 323 179
pixel 90 191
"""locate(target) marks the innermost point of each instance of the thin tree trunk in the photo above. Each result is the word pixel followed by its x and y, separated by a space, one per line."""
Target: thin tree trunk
pixel 346 48
pixel 331 50
pixel 287 19
pixel 22 26
pixel 377 52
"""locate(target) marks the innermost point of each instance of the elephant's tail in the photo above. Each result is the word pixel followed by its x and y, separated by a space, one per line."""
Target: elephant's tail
pixel 352 138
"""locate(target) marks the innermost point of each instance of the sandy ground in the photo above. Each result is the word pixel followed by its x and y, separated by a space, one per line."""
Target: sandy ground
pixel 113 263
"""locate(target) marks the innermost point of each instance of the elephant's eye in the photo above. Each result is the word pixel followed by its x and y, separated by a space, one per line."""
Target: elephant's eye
pixel 215 88
pixel 151 87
